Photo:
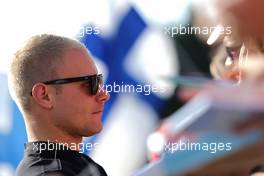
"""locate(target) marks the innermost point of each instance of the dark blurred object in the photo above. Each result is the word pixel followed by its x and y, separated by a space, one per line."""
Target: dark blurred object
pixel 194 59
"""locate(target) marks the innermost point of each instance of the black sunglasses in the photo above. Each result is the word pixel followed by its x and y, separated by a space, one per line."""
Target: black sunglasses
pixel 93 80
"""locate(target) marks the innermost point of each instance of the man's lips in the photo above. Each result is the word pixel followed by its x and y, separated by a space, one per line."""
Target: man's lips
pixel 97 112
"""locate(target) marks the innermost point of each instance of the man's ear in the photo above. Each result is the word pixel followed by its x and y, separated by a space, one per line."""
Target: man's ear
pixel 41 95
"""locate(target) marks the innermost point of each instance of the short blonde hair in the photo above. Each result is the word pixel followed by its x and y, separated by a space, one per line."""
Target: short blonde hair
pixel 36 61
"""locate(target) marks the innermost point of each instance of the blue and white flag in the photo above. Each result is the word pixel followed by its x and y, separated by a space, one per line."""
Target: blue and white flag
pixel 133 54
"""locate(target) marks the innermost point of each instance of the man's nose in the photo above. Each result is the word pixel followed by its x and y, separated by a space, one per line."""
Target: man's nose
pixel 102 95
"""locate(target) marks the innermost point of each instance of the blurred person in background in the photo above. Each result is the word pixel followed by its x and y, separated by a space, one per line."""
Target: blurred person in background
pixel 241 54
pixel 240 59
pixel 246 40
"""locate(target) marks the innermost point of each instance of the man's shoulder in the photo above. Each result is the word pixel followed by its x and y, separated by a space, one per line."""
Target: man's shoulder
pixel 56 161
pixel 30 166
pixel 38 166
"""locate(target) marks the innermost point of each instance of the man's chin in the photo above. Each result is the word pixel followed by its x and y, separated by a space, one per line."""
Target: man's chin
pixel 93 131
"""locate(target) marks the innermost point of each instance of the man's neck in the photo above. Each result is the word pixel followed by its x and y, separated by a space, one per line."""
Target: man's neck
pixel 36 132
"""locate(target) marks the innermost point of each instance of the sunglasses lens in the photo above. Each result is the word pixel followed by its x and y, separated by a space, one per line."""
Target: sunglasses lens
pixel 95 82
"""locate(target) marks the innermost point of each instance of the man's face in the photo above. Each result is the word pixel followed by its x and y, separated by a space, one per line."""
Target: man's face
pixel 245 18
pixel 246 13
pixel 237 56
pixel 76 111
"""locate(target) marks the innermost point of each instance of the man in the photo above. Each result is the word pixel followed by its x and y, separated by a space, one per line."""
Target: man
pixel 58 89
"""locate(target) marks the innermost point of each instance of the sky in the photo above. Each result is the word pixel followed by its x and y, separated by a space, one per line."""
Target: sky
pixel 21 19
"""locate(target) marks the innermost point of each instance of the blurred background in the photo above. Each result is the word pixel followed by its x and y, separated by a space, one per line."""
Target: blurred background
pixel 137 43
